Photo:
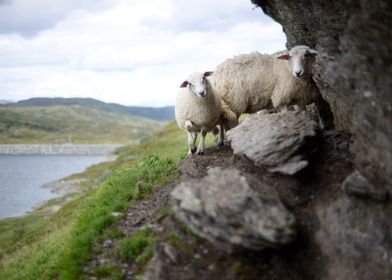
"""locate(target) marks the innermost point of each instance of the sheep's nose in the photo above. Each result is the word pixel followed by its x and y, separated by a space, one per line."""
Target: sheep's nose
pixel 298 73
pixel 202 94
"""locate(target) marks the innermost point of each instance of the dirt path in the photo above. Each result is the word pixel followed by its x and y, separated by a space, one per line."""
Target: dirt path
pixel 144 212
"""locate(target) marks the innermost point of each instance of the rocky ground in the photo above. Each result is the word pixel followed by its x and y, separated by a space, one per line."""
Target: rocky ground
pixel 317 185
pixel 270 204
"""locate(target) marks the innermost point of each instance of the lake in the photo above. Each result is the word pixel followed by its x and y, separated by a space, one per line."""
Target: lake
pixel 21 178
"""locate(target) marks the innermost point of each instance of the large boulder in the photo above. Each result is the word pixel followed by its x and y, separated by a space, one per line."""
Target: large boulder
pixel 279 142
pixel 225 208
pixel 353 71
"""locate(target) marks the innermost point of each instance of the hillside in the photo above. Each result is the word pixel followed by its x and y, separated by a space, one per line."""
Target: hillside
pixel 160 114
pixel 75 121
pixel 56 243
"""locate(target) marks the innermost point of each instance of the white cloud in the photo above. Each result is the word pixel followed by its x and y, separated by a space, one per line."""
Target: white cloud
pixel 133 52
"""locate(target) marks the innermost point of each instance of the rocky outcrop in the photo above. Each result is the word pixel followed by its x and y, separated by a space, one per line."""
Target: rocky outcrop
pixel 353 71
pixel 224 208
pixel 357 241
pixel 223 197
pixel 279 142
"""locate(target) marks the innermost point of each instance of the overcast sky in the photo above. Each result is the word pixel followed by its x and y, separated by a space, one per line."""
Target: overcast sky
pixel 131 52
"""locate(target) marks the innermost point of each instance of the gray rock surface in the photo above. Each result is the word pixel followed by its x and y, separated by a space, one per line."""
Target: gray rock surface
pixel 356 184
pixel 353 70
pixel 356 237
pixel 276 141
pixel 224 208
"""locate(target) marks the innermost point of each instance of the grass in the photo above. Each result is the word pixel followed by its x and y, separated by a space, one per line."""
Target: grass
pixel 57 245
pixel 112 271
pixel 71 124
pixel 138 248
pixel 63 242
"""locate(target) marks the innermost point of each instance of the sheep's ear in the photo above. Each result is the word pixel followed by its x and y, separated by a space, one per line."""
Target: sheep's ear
pixel 312 52
pixel 284 57
pixel 208 73
pixel 184 84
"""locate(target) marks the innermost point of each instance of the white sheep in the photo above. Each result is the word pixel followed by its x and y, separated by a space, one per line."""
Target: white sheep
pixel 248 83
pixel 198 110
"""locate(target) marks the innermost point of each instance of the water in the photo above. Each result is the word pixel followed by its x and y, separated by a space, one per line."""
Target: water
pixel 21 178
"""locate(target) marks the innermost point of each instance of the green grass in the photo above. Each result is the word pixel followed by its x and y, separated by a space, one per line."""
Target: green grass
pixel 57 245
pixel 138 248
pixel 71 124
pixel 64 241
pixel 111 271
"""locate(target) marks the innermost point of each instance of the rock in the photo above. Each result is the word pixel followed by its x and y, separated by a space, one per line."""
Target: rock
pixel 356 237
pixel 159 266
pixel 353 70
pixel 117 214
pixel 356 184
pixel 224 208
pixel 280 142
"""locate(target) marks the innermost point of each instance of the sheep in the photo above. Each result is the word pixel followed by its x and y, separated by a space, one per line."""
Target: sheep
pixel 248 83
pixel 198 110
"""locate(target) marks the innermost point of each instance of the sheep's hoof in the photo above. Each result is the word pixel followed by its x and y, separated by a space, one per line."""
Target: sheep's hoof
pixel 200 153
pixel 220 144
pixel 193 150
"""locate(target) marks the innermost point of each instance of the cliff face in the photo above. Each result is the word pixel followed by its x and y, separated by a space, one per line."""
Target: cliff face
pixel 353 72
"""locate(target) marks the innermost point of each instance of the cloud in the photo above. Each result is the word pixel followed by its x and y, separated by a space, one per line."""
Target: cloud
pixel 27 18
pixel 131 52
pixel 206 15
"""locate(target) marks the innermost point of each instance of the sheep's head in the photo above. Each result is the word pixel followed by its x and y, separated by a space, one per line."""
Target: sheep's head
pixel 196 83
pixel 301 59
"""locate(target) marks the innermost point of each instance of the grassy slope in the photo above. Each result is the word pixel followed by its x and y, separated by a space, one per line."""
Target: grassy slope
pixel 162 113
pixel 77 124
pixel 63 242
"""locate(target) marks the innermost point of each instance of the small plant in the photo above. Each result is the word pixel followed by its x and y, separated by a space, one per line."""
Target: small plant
pixel 174 238
pixel 111 270
pixel 138 248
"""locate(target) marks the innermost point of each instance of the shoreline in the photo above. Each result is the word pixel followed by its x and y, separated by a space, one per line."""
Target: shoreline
pixel 60 188
pixel 58 149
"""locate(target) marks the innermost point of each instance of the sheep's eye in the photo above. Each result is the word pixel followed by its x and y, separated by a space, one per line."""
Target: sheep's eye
pixel 289 56
pixel 307 54
pixel 190 84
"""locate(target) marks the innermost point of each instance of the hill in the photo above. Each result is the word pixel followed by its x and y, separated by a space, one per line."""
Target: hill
pixel 59 120
pixel 161 114
pixel 5 102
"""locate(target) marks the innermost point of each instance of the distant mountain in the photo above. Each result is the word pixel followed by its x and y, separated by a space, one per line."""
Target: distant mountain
pixel 5 102
pixel 161 114
pixel 75 120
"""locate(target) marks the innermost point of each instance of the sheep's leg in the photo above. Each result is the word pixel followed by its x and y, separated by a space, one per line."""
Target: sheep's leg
pixel 283 109
pixel 299 107
pixel 221 136
pixel 200 149
pixel 192 136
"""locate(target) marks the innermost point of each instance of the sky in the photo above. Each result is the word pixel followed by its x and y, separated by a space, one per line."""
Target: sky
pixel 131 52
